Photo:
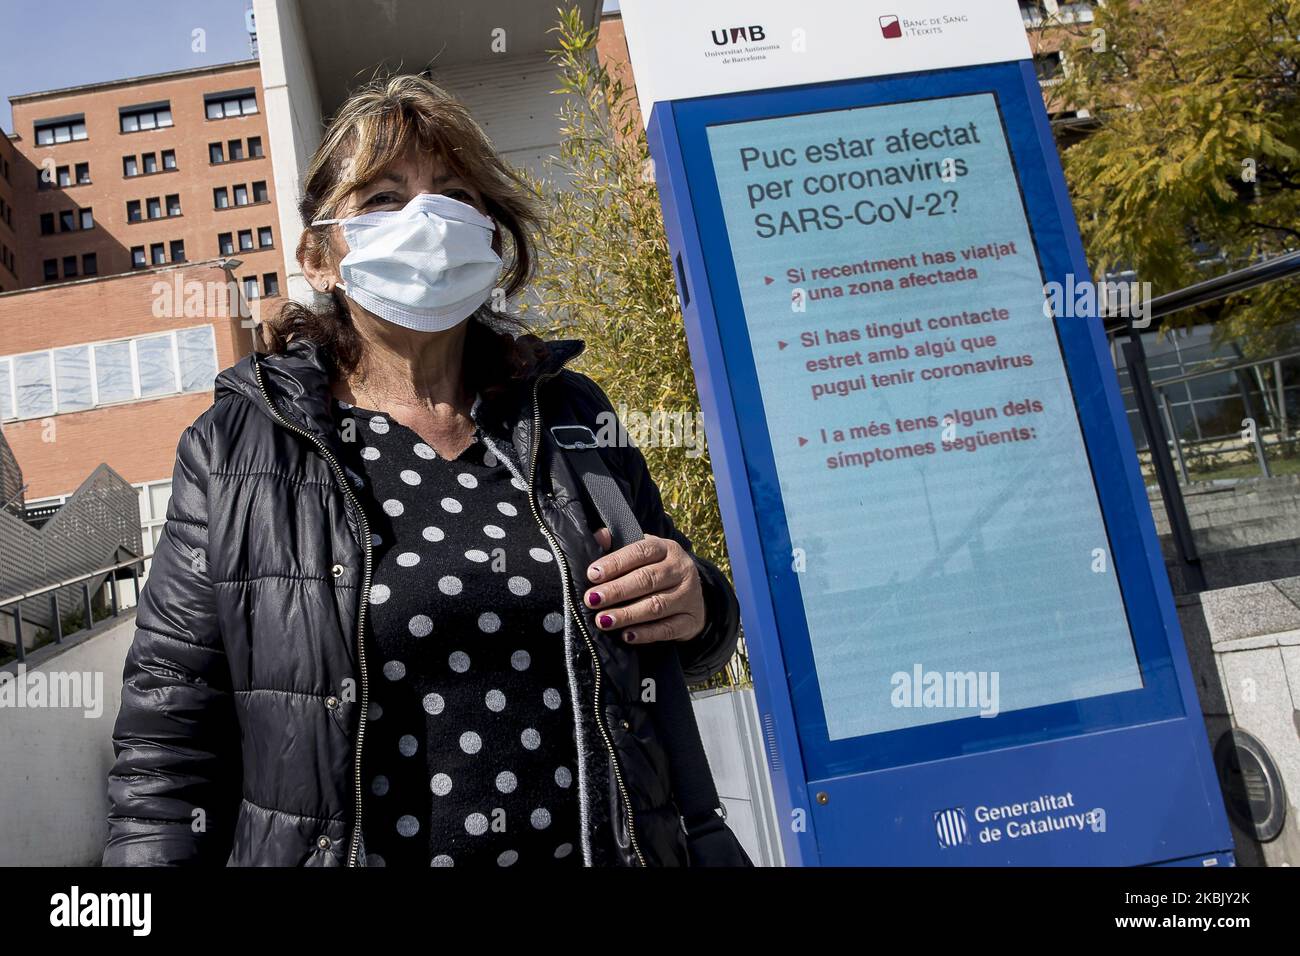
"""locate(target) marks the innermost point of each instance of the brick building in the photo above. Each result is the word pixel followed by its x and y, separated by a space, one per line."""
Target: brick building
pixel 138 223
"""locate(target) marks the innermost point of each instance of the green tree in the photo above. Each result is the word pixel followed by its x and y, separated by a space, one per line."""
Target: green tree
pixel 606 277
pixel 1197 145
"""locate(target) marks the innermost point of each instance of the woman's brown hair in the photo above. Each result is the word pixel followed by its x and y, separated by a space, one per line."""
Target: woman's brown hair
pixel 381 121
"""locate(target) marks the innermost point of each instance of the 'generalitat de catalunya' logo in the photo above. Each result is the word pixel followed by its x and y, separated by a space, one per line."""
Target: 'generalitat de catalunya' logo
pixel 891 28
pixel 950 827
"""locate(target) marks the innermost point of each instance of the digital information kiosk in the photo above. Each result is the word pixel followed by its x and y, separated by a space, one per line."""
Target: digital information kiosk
pixel 964 644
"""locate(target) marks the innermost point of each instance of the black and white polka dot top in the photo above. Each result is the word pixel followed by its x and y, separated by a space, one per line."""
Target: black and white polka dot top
pixel 469 756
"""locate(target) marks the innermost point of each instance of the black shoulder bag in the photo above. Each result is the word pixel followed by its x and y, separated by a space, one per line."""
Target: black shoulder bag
pixel 709 841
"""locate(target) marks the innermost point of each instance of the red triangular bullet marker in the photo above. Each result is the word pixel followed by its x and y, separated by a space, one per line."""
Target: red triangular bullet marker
pixel 781 345
pixel 802 441
pixel 768 280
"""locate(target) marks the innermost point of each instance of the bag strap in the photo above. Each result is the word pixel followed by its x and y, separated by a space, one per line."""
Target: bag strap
pixel 692 780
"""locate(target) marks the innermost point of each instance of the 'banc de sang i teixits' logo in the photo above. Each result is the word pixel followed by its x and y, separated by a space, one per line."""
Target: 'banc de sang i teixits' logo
pixel 950 827
pixel 731 35
pixel 891 27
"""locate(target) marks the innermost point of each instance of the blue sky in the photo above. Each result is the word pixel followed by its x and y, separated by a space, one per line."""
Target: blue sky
pixel 47 45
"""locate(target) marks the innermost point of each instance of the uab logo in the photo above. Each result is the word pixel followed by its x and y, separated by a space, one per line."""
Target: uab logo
pixel 738 35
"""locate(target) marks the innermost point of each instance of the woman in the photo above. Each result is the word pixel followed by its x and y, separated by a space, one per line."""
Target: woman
pixel 383 625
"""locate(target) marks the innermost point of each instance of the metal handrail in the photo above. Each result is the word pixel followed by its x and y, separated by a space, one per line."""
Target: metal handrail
pixel 19 598
pixel 1219 369
pixel 136 566
pixel 1211 290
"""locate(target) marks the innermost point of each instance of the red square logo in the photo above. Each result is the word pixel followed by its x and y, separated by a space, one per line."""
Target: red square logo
pixel 891 28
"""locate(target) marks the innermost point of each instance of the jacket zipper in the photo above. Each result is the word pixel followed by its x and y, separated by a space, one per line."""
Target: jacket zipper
pixel 577 616
pixel 364 525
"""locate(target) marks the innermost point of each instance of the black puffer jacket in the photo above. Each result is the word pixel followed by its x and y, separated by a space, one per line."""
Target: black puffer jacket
pixel 244 690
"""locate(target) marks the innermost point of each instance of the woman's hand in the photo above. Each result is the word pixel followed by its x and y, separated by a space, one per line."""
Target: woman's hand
pixel 650 588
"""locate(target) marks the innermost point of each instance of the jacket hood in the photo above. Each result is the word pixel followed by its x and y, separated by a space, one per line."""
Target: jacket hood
pixel 298 382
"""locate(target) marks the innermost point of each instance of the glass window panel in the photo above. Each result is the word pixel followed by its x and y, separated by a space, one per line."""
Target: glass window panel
pixel 157 374
pixel 159 495
pixel 214 110
pixel 147 121
pixel 113 372
pixel 72 375
pixel 248 104
pixel 44 137
pixel 33 385
pixel 198 359
pixel 130 123
pixel 6 399
pixel 164 117
pixel 79 130
pixel 62 134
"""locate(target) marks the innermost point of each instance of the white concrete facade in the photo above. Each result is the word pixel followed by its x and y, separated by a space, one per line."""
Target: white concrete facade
pixel 492 57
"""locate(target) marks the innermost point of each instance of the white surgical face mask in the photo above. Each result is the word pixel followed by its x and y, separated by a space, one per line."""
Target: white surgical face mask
pixel 426 266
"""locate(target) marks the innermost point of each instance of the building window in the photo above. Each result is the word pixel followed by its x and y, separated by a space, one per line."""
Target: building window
pixel 259 191
pixel 158 254
pixel 169 158
pixel 129 167
pixel 150 162
pixel 63 130
pixel 226 244
pixel 64 176
pixel 67 220
pixel 103 373
pixel 255 147
pixel 90 264
pixel 264 237
pixel 33 380
pixel 174 204
pixel 250 288
pixel 51 267
pixel 271 283
pixel 245 240
pixel 44 179
pixel 69 267
pixel 87 219
pixel 153 206
pixel 137 257
pixel 236 150
pixel 233 103
pixel 178 250
pixel 220 198
pixel 83 174
pixel 215 154
pixel 241 195
pixel 72 375
pixel 150 116
pixel 47 224
pixel 133 210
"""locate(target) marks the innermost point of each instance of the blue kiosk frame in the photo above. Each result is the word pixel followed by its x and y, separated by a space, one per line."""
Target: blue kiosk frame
pixel 1142 756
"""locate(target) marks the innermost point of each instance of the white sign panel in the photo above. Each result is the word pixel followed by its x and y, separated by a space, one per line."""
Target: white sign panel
pixel 685 48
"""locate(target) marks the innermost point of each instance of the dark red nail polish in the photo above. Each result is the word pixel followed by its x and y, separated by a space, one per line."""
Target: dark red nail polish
pixel 605 621
pixel 629 636
pixel 594 598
